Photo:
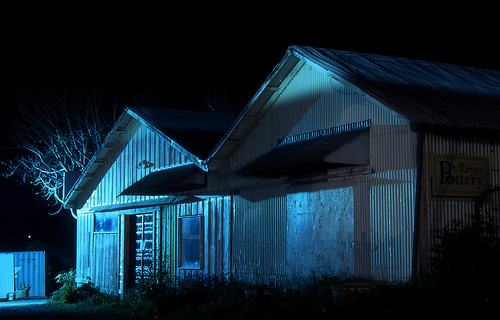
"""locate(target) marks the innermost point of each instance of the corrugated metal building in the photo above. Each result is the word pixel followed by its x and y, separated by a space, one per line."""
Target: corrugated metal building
pixel 23 274
pixel 127 226
pixel 341 163
pixel 356 161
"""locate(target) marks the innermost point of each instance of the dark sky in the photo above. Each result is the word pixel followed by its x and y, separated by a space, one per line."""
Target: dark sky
pixel 186 58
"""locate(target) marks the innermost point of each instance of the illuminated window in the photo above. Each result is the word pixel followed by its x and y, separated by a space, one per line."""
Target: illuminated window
pixel 106 222
pixel 190 242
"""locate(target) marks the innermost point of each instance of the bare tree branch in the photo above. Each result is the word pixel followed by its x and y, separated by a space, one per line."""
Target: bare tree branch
pixel 57 127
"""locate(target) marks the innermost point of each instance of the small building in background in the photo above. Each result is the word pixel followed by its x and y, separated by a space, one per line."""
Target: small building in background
pixel 342 163
pixel 22 274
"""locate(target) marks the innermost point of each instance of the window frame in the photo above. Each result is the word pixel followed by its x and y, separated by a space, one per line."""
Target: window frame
pixel 201 247
pixel 112 217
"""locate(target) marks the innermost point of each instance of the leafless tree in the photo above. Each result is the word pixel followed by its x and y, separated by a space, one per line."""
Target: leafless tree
pixel 56 127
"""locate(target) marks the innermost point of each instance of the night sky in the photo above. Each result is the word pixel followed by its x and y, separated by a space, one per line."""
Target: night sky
pixel 186 59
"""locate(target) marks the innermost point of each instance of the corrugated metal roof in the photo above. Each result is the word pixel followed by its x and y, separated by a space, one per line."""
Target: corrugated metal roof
pixel 197 132
pixel 425 93
pixel 431 96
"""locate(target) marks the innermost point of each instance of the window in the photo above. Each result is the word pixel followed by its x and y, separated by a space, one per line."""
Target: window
pixel 106 222
pixel 191 242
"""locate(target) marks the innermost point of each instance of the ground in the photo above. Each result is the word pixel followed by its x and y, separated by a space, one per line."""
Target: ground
pixel 41 310
pixel 29 309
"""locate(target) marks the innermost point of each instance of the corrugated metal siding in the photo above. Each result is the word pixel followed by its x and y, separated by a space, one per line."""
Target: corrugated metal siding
pixel 392 197
pixel 105 259
pixel 32 272
pixel 101 256
pixel 169 240
pixel 424 92
pixel 85 227
pixel 313 101
pixel 259 244
pixel 144 145
pixel 218 236
pixel 216 213
pixel 441 213
pixel 383 201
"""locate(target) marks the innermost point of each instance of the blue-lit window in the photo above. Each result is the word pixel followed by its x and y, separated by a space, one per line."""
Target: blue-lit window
pixel 106 222
pixel 191 242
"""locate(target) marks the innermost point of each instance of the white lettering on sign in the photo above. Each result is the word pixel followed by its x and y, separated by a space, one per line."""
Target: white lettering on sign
pixel 458 176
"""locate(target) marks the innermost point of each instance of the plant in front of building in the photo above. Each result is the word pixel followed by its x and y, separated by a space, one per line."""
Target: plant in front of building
pixel 69 292
pixel 466 261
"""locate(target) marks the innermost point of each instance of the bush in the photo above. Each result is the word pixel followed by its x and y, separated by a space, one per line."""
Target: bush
pixel 71 293
pixel 67 293
pixel 465 263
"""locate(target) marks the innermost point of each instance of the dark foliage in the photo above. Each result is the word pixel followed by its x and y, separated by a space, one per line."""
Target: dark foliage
pixel 466 261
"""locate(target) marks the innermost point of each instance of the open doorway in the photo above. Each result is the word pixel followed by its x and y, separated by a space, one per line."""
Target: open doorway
pixel 140 248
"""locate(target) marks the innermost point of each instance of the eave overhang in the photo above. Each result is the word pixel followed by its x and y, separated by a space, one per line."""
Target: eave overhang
pixel 168 181
pixel 313 153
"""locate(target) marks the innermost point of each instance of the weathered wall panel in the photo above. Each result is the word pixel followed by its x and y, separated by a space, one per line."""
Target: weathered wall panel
pixel 320 229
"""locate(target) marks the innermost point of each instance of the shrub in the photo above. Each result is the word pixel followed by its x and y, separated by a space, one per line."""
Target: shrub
pixel 71 293
pixel 467 258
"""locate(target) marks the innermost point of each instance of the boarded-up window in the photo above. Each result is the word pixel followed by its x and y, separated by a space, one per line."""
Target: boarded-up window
pixel 190 244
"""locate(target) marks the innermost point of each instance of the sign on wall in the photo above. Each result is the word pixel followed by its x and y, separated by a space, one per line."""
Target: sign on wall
pixel 457 177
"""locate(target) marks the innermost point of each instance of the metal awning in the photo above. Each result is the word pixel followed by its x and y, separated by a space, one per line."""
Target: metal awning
pixel 163 182
pixel 316 154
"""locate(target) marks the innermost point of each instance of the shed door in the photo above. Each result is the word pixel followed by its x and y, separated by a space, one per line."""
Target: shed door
pixel 105 253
